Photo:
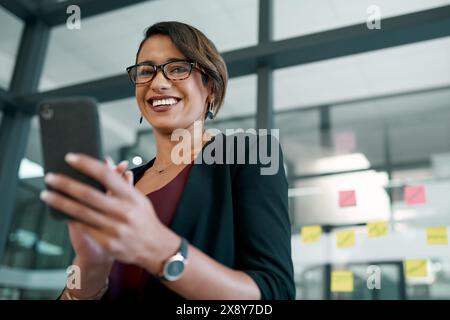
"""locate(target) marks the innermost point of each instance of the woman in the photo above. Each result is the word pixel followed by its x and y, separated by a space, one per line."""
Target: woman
pixel 209 231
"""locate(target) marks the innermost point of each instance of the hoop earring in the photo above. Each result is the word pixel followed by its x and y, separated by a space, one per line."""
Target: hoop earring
pixel 210 113
pixel 140 120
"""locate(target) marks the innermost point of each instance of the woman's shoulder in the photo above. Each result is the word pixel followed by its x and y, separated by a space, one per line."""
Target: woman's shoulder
pixel 243 149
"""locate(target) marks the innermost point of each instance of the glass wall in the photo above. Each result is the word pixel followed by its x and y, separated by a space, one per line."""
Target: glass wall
pixel 38 249
pixel 378 188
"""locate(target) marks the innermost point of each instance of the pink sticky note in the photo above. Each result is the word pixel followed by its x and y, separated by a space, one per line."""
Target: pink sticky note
pixel 414 195
pixel 347 198
pixel 345 141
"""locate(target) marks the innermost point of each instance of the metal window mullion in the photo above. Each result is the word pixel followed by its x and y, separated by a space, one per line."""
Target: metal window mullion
pixel 264 112
pixel 15 125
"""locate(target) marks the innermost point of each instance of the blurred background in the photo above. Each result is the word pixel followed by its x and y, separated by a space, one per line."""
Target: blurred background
pixel 363 114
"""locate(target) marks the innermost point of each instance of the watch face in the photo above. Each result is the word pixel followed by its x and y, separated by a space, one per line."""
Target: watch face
pixel 174 270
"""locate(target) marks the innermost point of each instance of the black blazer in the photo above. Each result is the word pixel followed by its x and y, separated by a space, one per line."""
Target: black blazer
pixel 238 217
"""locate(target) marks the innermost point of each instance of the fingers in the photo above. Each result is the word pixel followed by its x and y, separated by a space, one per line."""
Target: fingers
pixel 122 167
pixel 84 193
pixel 101 172
pixel 79 212
pixel 129 177
pixel 100 237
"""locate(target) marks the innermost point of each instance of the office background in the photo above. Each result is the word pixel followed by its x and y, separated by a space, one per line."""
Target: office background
pixel 363 116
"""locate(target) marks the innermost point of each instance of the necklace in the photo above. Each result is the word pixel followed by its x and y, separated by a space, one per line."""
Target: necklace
pixel 160 171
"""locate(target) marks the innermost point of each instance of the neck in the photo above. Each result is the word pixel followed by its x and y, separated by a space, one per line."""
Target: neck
pixel 191 139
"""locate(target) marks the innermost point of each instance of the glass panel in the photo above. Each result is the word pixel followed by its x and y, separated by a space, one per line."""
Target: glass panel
pixel 360 291
pixel 36 241
pixel 316 200
pixel 240 98
pixel 309 282
pixel 299 17
pixel 75 56
pixel 418 158
pixel 435 286
pixel 404 68
pixel 10 32
pixel 120 122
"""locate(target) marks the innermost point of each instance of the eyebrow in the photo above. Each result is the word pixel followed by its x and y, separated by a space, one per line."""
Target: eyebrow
pixel 168 60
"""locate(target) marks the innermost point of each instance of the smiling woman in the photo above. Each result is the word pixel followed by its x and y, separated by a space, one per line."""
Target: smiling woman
pixel 171 229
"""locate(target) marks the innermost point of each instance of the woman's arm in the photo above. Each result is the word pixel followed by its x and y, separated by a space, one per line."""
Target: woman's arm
pixel 223 283
pixel 263 267
pixel 93 282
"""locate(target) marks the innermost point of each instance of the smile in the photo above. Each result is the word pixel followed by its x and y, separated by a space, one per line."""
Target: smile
pixel 160 105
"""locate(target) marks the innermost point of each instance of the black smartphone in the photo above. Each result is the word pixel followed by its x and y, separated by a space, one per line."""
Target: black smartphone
pixel 69 125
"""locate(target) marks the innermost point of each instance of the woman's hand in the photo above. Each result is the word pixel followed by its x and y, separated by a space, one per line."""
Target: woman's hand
pixel 87 249
pixel 120 224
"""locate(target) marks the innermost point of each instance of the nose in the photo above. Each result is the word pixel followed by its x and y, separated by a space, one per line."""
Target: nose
pixel 160 82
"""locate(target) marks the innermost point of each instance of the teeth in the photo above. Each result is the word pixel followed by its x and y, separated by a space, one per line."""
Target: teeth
pixel 158 102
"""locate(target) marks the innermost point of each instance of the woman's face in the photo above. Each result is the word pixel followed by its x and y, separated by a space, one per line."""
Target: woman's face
pixel 190 93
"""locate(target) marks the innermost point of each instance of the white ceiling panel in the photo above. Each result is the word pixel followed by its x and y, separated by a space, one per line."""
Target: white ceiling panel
pixel 106 44
pixel 299 17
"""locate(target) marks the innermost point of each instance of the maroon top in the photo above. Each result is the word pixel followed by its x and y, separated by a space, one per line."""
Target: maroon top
pixel 129 281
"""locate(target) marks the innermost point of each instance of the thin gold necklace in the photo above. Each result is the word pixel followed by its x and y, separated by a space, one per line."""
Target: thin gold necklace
pixel 159 171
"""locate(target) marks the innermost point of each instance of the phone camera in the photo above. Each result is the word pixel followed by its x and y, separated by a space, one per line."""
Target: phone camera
pixel 47 112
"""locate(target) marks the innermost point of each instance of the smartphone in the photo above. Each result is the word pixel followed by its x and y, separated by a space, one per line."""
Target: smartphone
pixel 69 125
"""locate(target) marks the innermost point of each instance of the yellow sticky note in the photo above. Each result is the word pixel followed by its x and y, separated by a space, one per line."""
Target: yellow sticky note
pixel 341 281
pixel 377 229
pixel 345 238
pixel 437 235
pixel 416 268
pixel 311 234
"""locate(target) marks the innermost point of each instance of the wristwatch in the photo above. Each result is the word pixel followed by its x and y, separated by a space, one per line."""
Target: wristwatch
pixel 174 266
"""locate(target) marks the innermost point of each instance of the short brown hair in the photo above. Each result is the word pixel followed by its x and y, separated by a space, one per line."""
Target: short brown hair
pixel 196 47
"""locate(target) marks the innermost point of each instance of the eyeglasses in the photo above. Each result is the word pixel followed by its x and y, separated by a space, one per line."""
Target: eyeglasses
pixel 174 70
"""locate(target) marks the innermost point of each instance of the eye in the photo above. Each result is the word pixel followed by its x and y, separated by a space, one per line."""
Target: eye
pixel 180 70
pixel 145 71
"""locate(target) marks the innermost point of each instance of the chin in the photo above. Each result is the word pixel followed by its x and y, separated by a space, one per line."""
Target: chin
pixel 166 126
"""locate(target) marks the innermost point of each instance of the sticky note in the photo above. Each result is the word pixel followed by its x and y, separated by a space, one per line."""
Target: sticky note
pixel 414 195
pixel 377 229
pixel 437 235
pixel 341 281
pixel 345 141
pixel 416 268
pixel 345 238
pixel 347 198
pixel 311 234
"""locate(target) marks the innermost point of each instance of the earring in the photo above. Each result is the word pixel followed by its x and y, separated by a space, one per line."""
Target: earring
pixel 140 120
pixel 210 113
